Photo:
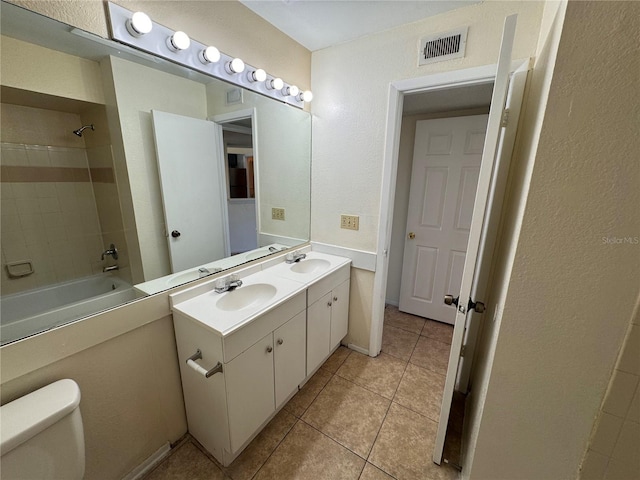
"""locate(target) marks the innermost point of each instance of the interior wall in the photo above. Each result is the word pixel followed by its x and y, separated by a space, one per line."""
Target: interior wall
pixel 228 25
pixel 402 194
pixel 131 397
pixel 350 112
pixel 546 363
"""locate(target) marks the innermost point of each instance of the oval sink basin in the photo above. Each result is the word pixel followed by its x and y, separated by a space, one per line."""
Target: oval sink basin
pixel 246 296
pixel 310 265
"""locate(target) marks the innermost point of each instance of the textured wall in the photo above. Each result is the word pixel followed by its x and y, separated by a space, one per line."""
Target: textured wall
pixel 229 25
pixel 566 295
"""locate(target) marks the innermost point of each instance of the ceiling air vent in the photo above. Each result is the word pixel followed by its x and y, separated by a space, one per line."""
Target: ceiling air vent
pixel 443 46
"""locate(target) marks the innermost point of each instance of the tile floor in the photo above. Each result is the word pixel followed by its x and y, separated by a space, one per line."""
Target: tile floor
pixel 357 418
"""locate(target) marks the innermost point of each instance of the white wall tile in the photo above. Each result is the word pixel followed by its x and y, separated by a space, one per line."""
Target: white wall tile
pixel 38 156
pixel 628 444
pixel 623 386
pixel 594 466
pixel 630 359
pixel 14 154
pixel 606 434
pixel 634 410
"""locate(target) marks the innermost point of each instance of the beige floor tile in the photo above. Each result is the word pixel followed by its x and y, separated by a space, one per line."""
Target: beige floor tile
pixel 381 374
pixel 258 451
pixel 336 359
pixel 301 400
pixel 420 390
pixel 405 321
pixel 349 414
pixel 404 446
pixel 431 354
pixel 443 332
pixel 373 473
pixel 398 342
pixel 186 462
pixel 307 454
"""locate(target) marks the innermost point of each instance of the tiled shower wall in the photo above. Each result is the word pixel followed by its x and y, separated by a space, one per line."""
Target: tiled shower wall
pixel 49 215
pixel 614 452
pixel 60 204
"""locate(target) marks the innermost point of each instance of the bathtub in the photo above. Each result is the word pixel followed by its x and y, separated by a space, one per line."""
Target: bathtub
pixel 34 311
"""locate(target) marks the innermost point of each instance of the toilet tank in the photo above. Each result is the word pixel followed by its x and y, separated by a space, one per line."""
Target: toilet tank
pixel 41 434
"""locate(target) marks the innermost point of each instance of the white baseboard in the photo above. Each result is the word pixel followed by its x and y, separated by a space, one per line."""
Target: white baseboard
pixel 149 464
pixel 358 349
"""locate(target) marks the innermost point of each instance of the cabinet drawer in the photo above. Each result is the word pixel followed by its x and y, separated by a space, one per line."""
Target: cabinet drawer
pixel 239 341
pixel 328 283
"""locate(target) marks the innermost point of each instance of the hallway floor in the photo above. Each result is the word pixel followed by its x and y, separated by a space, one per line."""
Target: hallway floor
pixel 357 418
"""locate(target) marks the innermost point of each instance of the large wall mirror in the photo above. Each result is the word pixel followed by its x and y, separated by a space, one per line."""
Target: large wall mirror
pixel 124 175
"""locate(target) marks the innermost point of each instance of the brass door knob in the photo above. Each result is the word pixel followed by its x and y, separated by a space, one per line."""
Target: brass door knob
pixel 411 235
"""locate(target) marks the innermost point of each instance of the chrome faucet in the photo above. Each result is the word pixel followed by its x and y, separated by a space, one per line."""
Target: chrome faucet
pixel 227 284
pixel 204 271
pixel 294 257
pixel 112 250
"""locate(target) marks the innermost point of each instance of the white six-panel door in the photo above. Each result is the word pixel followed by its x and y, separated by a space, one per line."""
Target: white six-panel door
pixel 446 163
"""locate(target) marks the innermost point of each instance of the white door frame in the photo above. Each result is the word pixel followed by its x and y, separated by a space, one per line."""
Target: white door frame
pixel 232 117
pixel 397 91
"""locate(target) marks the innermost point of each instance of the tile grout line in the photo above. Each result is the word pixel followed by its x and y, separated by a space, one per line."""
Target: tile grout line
pixel 272 451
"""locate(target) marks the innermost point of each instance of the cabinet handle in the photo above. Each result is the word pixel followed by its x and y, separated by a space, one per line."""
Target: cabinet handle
pixel 269 349
pixel 280 341
pixel 328 304
pixel 335 299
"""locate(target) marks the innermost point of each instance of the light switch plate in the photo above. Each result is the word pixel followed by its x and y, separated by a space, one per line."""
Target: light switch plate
pixel 350 222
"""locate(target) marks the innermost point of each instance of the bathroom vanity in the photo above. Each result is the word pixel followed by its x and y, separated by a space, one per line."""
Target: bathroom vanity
pixel 245 352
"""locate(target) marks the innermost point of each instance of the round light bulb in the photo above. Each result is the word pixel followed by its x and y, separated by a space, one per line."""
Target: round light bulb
pixel 139 24
pixel 235 66
pixel 275 84
pixel 290 90
pixel 258 75
pixel 209 55
pixel 178 41
pixel 305 96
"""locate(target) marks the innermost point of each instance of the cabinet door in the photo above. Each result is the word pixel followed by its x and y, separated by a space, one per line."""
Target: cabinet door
pixel 318 332
pixel 289 360
pixel 339 313
pixel 250 391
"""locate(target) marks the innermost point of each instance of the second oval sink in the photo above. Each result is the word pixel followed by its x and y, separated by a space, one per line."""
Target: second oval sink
pixel 246 296
pixel 310 265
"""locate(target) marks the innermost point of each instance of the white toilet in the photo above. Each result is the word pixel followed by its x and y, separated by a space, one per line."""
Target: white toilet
pixel 41 434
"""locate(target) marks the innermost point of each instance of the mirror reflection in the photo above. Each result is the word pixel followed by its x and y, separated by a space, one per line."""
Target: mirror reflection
pixel 124 175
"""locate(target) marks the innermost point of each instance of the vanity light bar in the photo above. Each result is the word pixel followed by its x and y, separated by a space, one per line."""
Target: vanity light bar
pixel 139 31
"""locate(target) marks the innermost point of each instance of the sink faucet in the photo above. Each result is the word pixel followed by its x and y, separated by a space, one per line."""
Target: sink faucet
pixel 294 257
pixel 204 271
pixel 112 250
pixel 227 284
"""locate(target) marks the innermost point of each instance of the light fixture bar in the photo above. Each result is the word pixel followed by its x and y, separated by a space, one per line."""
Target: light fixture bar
pixel 157 41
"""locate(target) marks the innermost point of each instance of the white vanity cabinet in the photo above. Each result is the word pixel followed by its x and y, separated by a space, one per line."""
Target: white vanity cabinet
pixel 262 365
pixel 327 316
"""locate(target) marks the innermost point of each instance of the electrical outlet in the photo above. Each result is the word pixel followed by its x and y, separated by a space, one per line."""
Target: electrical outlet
pixel 277 213
pixel 350 222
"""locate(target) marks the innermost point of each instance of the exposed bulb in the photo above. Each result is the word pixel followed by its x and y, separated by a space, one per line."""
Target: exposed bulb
pixel 178 41
pixel 258 75
pixel 209 55
pixel 234 66
pixel 139 24
pixel 290 90
pixel 305 96
pixel 275 84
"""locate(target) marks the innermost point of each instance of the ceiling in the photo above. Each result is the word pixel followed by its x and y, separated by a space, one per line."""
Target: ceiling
pixel 318 24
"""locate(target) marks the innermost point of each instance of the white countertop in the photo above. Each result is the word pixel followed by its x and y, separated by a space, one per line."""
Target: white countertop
pixel 204 307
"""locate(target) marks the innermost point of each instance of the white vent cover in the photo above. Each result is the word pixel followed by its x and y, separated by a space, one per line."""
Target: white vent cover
pixel 443 46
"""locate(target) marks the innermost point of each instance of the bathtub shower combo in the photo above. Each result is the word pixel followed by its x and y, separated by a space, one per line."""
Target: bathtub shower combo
pixel 35 311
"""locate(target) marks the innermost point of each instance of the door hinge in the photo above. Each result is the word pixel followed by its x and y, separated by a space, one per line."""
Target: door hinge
pixel 505 118
pixel 463 350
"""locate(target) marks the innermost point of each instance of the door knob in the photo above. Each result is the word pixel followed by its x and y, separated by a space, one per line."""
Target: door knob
pixel 450 300
pixel 411 235
pixel 175 234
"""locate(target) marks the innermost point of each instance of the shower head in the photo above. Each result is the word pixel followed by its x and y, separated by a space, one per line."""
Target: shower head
pixel 81 129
